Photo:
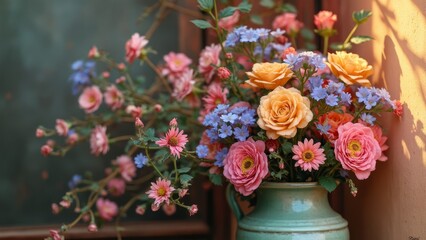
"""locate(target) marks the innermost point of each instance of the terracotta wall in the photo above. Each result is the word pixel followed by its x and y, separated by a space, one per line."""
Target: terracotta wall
pixel 391 203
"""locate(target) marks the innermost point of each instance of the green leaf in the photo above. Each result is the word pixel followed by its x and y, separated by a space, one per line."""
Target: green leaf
pixel 184 170
pixel 162 155
pixel 256 19
pixel 244 6
pixel 226 12
pixel 360 39
pixel 201 24
pixel 185 179
pixel 149 135
pixel 288 8
pixel 286 147
pixel 328 183
pixel 339 47
pixel 361 16
pixel 205 5
pixel 267 3
pixel 216 179
pixel 307 34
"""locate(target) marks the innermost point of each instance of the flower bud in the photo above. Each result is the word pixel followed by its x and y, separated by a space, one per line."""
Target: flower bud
pixel 106 74
pixel 65 203
pixel 46 150
pixel 139 123
pixel 193 210
pixel 169 209
pixel 40 133
pixel 223 73
pixel 55 208
pixel 272 145
pixel 155 207
pixel 120 80
pixel 92 227
pixel 398 110
pixel 121 66
pixel 183 192
pixel 140 210
pixel 93 52
pixel 158 108
pixel 281 165
pixel 173 123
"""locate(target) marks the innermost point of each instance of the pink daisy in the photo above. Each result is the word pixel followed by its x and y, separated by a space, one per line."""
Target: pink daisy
pixel 175 140
pixel 215 95
pixel 160 191
pixel 308 155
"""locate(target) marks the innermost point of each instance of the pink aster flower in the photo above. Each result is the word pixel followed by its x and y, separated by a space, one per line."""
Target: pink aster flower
pixel 245 165
pixel 208 57
pixel 134 47
pixel 183 86
pixel 357 149
pixel 308 155
pixel 116 186
pixel 325 20
pixel 228 23
pixel 114 97
pixel 378 135
pixel 288 22
pixel 176 65
pixel 107 209
pixel 99 141
pixel 175 140
pixel 61 127
pixel 127 167
pixel 160 191
pixel 215 95
pixel 90 99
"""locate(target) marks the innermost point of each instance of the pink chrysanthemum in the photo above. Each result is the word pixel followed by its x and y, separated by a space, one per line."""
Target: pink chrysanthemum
pixel 175 140
pixel 160 191
pixel 215 95
pixel 308 155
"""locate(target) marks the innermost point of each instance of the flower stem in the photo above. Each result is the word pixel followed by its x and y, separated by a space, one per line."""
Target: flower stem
pixel 350 35
pixel 325 49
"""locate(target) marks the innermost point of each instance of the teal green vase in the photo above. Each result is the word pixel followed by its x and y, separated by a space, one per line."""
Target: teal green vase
pixel 289 211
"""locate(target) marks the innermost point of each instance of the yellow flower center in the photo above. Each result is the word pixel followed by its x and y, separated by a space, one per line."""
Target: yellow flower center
pixel 173 141
pixel 161 192
pixel 354 147
pixel 247 164
pixel 308 156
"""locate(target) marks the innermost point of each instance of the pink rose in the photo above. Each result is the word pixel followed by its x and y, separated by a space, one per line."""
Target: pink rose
pixel 113 97
pixel 245 165
pixel 61 127
pixel 357 149
pixel 288 22
pixel 127 167
pixel 107 209
pixel 228 23
pixel 99 141
pixel 325 20
pixel 90 99
pixel 208 57
pixel 117 187
pixel 134 47
pixel 183 86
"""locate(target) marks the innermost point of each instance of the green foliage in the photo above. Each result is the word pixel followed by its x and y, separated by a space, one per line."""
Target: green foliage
pixel 360 39
pixel 226 12
pixel 361 16
pixel 216 179
pixel 205 5
pixel 185 179
pixel 149 135
pixel 184 169
pixel 288 8
pixel 256 19
pixel 244 6
pixel 203 24
pixel 329 183
pixel 286 147
pixel 267 3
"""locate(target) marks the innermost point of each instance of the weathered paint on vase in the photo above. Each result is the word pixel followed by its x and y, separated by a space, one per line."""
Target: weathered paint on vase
pixel 289 211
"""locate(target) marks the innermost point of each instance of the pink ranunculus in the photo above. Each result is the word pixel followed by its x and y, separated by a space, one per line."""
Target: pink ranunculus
pixel 99 141
pixel 90 99
pixel 134 47
pixel 107 209
pixel 116 186
pixel 127 167
pixel 288 22
pixel 228 23
pixel 357 149
pixel 114 97
pixel 183 86
pixel 378 135
pixel 245 165
pixel 176 65
pixel 208 57
pixel 61 127
pixel 325 20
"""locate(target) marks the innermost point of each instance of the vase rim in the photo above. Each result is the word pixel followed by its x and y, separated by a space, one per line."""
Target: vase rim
pixel 289 184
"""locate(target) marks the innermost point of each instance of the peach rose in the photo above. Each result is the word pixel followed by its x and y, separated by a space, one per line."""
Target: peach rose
pixel 269 75
pixel 350 68
pixel 282 111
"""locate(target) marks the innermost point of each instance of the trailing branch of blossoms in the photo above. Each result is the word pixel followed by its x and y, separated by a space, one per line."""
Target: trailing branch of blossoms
pixel 254 108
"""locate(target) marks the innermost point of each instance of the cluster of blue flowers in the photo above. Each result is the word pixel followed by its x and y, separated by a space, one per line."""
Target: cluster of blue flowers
pixel 373 96
pixel 297 60
pixel 332 93
pixel 140 160
pixel 243 34
pixel 75 180
pixel 83 71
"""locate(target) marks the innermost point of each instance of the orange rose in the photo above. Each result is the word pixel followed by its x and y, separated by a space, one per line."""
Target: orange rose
pixel 269 75
pixel 350 68
pixel 282 111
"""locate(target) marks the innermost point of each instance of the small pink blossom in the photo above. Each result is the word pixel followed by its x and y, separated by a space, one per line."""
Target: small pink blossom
pixel 193 209
pixel 134 111
pixel 281 165
pixel 215 96
pixel 228 23
pixel 65 203
pixel 175 140
pixel 116 187
pixel 72 138
pixel 288 22
pixel 183 86
pixel 90 99
pixel 55 208
pixel 325 20
pixel 55 235
pixel 106 74
pixel 176 65
pixel 99 141
pixel 160 191
pixel 139 123
pixel 120 80
pixel 245 165
pixel 61 127
pixel 155 207
pixel 378 135
pixel 288 51
pixel 183 192
pixel 134 47
pixel 113 97
pixel 40 133
pixel 140 210
pixel 208 57
pixel 223 73
pixel 51 143
pixel 308 155
pixel 272 145
pixel 121 66
pixel 93 52
pixel 357 149
pixel 229 55
pixel 46 150
pixel 127 167
pixel 107 209
pixel 169 209
pixel 173 123
pixel 158 108
pixel 92 227
pixel 398 110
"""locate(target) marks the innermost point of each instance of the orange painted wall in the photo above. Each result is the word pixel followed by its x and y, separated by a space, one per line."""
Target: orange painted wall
pixel 391 204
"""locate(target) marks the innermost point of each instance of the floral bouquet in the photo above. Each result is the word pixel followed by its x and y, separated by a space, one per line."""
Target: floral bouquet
pixel 254 108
